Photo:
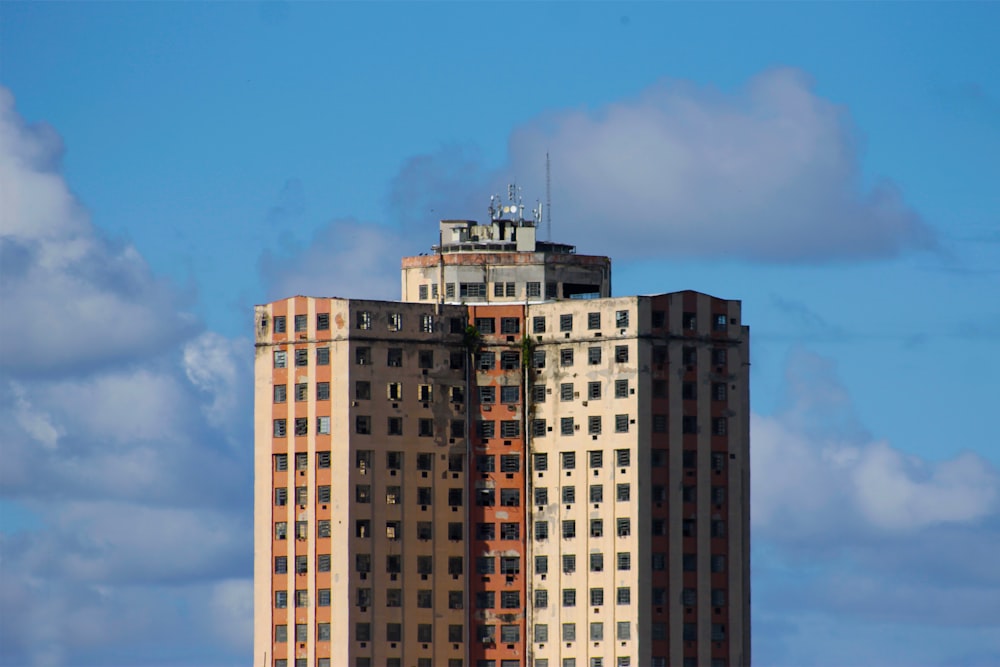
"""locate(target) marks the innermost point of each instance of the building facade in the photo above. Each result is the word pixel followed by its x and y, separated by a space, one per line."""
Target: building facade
pixel 507 468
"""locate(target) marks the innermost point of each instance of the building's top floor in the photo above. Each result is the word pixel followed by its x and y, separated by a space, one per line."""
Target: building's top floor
pixel 502 260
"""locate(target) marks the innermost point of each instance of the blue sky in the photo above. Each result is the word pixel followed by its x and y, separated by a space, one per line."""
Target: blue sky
pixel 164 166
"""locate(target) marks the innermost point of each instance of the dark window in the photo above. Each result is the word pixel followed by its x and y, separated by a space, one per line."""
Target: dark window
pixel 593 355
pixel 301 357
pixel 485 325
pixel 510 325
pixel 565 323
pixel 537 323
pixel 279 324
pixel 301 323
pixel 621 353
pixel 394 357
pixel 566 356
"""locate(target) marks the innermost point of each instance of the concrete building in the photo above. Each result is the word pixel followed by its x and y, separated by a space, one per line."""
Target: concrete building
pixel 507 468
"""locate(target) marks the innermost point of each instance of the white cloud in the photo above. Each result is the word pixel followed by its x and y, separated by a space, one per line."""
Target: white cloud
pixel 220 368
pixel 816 471
pixel 346 258
pixel 770 172
pixel 71 297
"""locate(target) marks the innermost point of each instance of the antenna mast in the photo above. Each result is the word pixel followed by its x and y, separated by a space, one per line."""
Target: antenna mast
pixel 548 196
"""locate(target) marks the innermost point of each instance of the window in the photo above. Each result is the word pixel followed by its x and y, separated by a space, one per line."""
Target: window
pixel 719 356
pixel 422 292
pixel 719 391
pixel 322 391
pixel 597 562
pixel 510 394
pixel 593 355
pixel 455 531
pixel 568 460
pixel 322 356
pixel 394 632
pixel 568 563
pixel 281 564
pixel 281 462
pixel 565 323
pixel 362 563
pixel 689 563
pixel 510 531
pixel 425 428
pixel 323 562
pixel 280 359
pixel 485 325
pixel 596 493
pixel 568 529
pixel 718 597
pixel 569 494
pixel 568 635
pixel 456 599
pixel 566 356
pixel 323 425
pixel 596 527
pixel 541 632
pixel 540 462
pixel 424 599
pixel 362 528
pixel 621 423
pixel 455 564
pixel 719 426
pixel 395 426
pixel 623 458
pixel 689 356
pixel 534 289
pixel 497 289
pixel 486 600
pixel 393 530
pixel 301 357
pixel 486 462
pixel 621 388
pixel 510 497
pixel 510 463
pixel 281 599
pixel 279 393
pixel 594 425
pixel 393 597
pixel 510 325
pixel 621 353
pixel 363 356
pixel 323 493
pixel 486 531
pixel 538 428
pixel 456 360
pixel 424 495
pixel 302 391
pixel 301 323
pixel 392 495
pixel 621 319
pixel 541 564
pixel 486 361
pixel 363 424
pixel 510 634
pixel 474 290
pixel 394 357
pixel 689 424
pixel 623 492
pixel 541 598
pixel 541 530
pixel 624 630
pixel 593 391
pixel 623 595
pixel 302 598
pixel 569 597
pixel 301 425
pixel 593 320
pixel 486 428
pixel 364 319
pixel 718 563
pixel 301 564
pixel 510 428
pixel 566 391
pixel 624 527
pixel 280 530
pixel 426 323
pixel 487 394
pixel 279 324
pixel 510 599
pixel 281 496
pixel 538 361
pixel 718 495
pixel 455 497
pixel 455 633
pixel 596 628
pixel 660 426
pixel 486 633
pixel 425 359
pixel 566 426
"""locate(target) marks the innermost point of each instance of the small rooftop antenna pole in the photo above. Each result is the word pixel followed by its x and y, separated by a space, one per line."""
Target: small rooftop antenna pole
pixel 548 196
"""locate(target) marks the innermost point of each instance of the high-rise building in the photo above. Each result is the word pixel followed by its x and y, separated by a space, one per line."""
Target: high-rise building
pixel 507 468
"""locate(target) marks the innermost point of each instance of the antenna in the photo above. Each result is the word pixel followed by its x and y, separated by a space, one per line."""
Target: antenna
pixel 548 196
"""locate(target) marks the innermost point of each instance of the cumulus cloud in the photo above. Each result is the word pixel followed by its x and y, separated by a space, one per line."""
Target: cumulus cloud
pixel 851 530
pixel 71 297
pixel 770 172
pixel 820 471
pixel 125 438
pixel 346 258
